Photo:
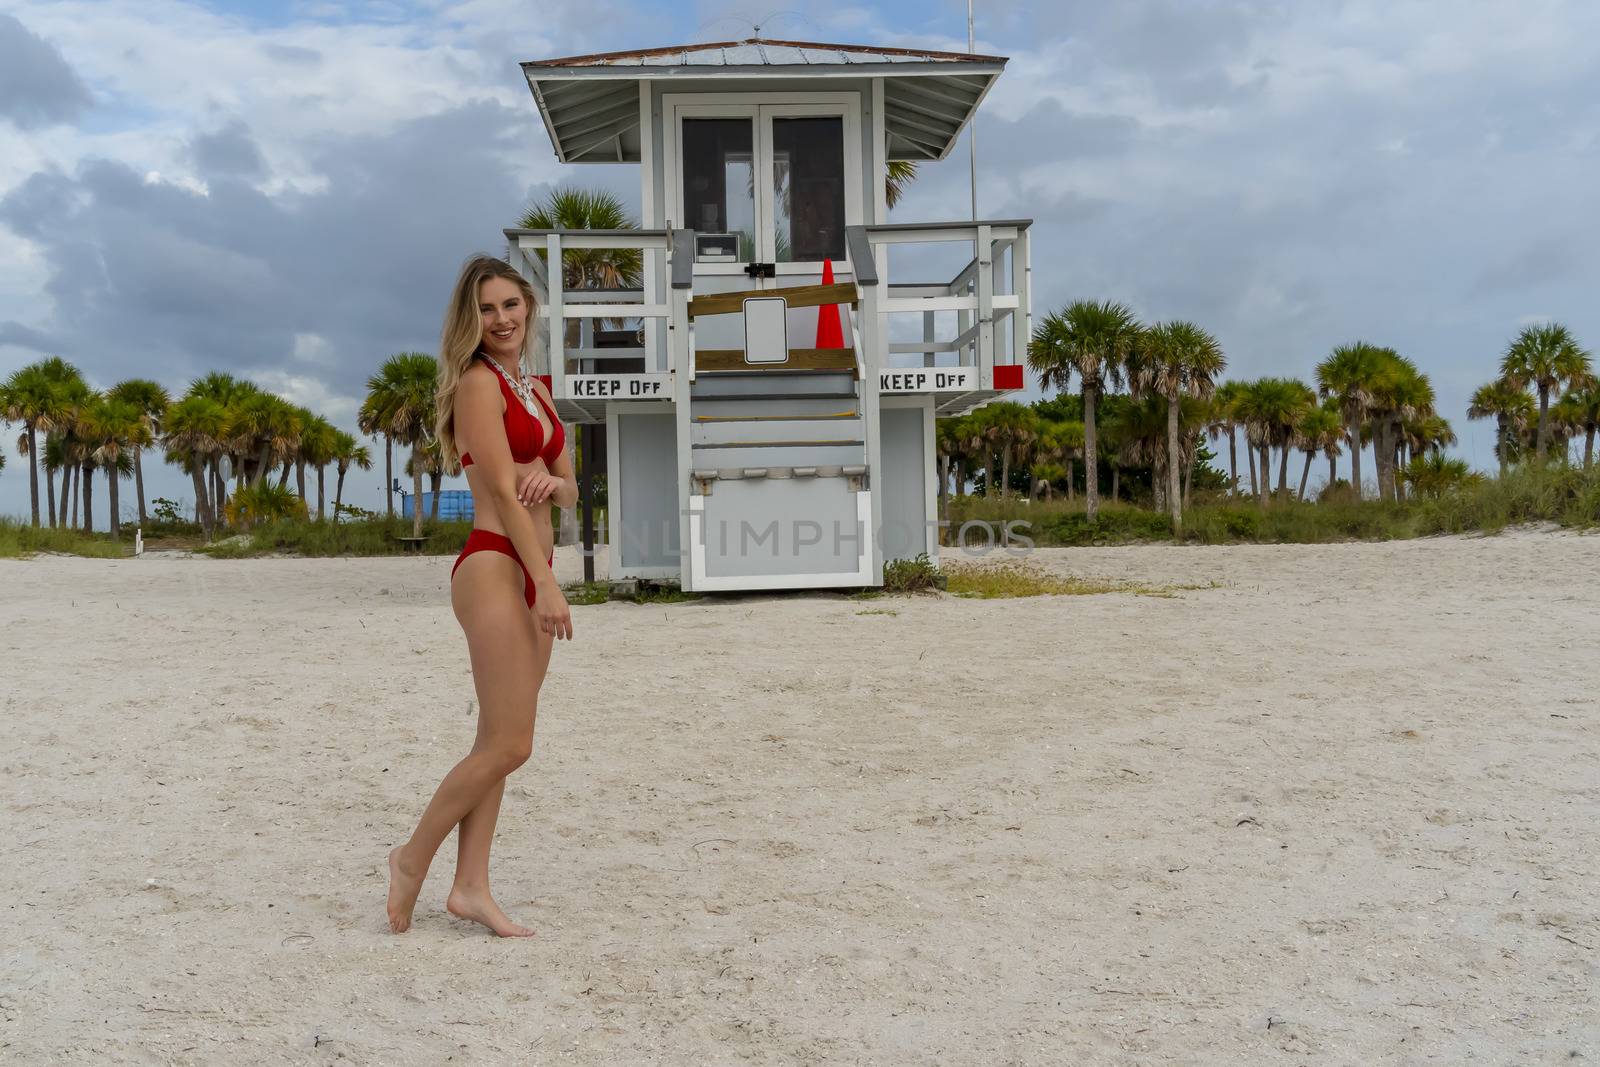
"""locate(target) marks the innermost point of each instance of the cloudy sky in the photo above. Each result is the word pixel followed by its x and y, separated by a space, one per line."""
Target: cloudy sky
pixel 285 191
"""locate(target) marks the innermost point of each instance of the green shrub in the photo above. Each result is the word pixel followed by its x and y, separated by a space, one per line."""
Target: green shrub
pixel 917 575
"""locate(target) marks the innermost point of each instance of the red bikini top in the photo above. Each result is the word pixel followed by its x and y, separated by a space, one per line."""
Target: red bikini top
pixel 523 431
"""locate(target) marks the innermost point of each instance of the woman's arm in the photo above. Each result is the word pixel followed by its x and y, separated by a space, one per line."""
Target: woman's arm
pixel 480 429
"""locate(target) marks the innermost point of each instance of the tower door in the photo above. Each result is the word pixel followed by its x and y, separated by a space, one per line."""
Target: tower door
pixel 781 180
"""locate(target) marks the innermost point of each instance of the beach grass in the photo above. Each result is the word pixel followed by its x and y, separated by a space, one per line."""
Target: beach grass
pixel 1566 496
pixel 19 539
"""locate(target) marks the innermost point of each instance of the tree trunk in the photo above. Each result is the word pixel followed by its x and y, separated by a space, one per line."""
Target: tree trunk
pixel 283 476
pixel 300 476
pixel 434 480
pixel 1305 475
pixel 322 471
pixel 202 513
pixel 1503 424
pixel 138 482
pixel 1174 490
pixel 1266 473
pixel 1333 471
pixel 416 488
pixel 33 471
pixel 1069 479
pixel 1233 462
pixel 1188 476
pixel 116 518
pixel 50 496
pixel 1283 469
pixel 1544 420
pixel 71 479
pixel 1091 456
pixel 1588 447
pixel 1005 470
pixel 388 471
pixel 1377 460
pixel 1353 428
pixel 338 493
pixel 1250 465
pixel 86 479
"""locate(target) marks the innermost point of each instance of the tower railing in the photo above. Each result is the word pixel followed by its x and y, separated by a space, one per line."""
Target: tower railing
pixel 533 252
pixel 989 296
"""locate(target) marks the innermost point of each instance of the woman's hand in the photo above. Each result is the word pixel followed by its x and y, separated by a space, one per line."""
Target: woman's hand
pixel 555 617
pixel 535 483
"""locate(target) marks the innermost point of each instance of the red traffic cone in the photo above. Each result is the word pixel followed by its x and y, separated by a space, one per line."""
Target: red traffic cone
pixel 830 334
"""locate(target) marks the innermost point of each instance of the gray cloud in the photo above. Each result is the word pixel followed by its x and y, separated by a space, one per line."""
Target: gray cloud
pixel 37 86
pixel 154 278
pixel 230 151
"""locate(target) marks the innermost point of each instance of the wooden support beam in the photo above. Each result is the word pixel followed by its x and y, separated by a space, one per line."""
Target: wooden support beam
pixel 714 359
pixel 798 296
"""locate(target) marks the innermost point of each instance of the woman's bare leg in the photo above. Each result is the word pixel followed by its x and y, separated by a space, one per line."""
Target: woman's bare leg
pixel 507 671
pixel 470 897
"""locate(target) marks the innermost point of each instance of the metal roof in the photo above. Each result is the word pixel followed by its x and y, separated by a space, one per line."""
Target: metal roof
pixel 590 104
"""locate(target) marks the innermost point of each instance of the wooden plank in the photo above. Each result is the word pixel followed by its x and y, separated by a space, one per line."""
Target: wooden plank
pixel 798 296
pixel 713 359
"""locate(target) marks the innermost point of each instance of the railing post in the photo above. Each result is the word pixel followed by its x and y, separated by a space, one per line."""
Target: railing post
pixel 558 319
pixel 985 286
pixel 1022 282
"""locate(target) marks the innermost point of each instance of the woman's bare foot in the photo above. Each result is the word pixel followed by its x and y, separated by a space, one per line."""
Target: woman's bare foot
pixel 480 907
pixel 403 890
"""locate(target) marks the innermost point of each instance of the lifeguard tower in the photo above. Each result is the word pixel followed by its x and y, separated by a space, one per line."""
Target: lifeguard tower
pixel 750 444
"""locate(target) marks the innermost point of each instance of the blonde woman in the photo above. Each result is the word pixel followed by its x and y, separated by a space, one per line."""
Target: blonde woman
pixel 503 431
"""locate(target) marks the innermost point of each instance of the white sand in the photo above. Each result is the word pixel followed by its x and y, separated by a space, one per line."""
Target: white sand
pixel 1344 808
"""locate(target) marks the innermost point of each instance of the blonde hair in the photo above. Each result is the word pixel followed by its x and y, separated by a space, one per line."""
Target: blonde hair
pixel 463 334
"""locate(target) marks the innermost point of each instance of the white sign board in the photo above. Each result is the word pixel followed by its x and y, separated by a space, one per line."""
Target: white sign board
pixel 928 379
pixel 618 386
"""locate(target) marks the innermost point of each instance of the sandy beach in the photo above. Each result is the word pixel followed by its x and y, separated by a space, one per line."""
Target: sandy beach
pixel 1339 805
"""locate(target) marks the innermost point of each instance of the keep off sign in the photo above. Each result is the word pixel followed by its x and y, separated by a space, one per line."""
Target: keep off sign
pixel 931 379
pixel 616 386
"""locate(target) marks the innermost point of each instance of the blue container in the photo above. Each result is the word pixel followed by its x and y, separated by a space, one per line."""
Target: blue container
pixel 453 504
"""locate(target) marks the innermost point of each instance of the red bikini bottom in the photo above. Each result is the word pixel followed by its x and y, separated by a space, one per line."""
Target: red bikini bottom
pixel 489 541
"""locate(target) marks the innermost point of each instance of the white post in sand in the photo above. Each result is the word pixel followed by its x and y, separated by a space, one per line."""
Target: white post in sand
pixel 138 540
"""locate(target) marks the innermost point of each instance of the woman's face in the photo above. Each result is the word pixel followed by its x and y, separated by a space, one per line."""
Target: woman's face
pixel 504 313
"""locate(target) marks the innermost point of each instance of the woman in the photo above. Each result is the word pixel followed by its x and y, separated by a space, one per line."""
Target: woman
pixel 503 431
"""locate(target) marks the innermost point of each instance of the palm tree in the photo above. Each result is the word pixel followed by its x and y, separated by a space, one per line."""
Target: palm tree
pixel 1512 409
pixel 589 209
pixel 1545 357
pixel 39 396
pixel 1175 360
pixel 1008 427
pixel 1318 430
pixel 1348 375
pixel 1585 402
pixel 1434 474
pixel 230 394
pixel 1271 408
pixel 1093 339
pixel 1400 392
pixel 401 395
pixel 1222 417
pixel 195 429
pixel 346 451
pixel 109 427
pixel 151 401
pixel 901 173
pixel 317 439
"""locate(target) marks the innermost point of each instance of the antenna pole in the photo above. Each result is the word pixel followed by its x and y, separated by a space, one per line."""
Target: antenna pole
pixel 972 130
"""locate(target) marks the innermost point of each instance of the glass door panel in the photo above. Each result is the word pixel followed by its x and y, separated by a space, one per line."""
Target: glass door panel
pixel 719 179
pixel 808 189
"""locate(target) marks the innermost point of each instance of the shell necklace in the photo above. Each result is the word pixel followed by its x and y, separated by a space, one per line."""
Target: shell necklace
pixel 519 386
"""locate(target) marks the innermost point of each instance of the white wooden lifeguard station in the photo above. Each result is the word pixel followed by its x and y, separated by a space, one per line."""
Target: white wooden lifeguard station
pixel 740 454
